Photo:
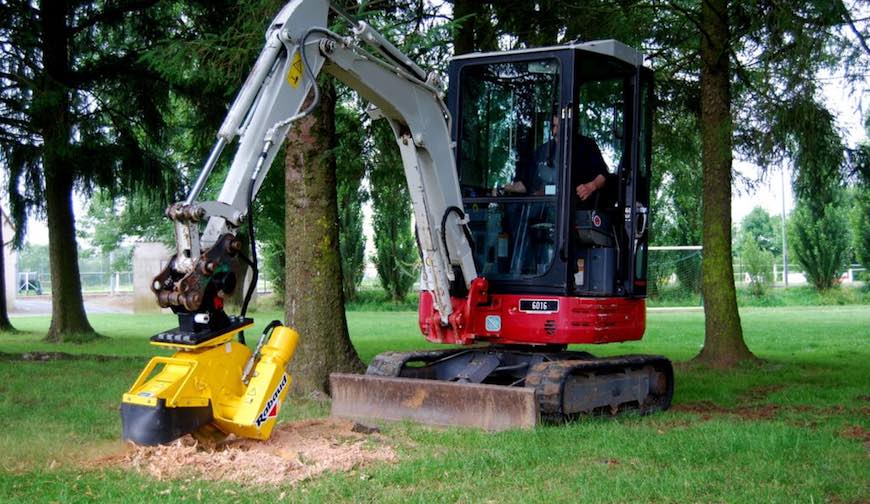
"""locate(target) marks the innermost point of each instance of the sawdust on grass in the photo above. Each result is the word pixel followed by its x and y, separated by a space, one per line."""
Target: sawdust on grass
pixel 296 451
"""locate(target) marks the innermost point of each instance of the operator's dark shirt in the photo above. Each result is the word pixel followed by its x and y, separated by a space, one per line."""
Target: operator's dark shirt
pixel 538 169
pixel 587 164
pixel 544 172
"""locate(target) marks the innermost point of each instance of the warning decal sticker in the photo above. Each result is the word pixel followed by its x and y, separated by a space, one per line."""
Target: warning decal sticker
pixel 295 73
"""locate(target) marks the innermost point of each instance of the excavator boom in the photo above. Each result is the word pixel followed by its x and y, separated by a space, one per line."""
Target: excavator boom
pixel 213 383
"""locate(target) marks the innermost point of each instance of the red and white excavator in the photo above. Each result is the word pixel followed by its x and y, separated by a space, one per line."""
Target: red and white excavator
pixel 515 266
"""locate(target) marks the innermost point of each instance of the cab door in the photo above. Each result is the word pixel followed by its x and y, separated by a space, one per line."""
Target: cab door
pixel 511 112
pixel 636 185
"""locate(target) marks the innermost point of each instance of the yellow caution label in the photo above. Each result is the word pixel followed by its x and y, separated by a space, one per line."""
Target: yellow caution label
pixel 296 69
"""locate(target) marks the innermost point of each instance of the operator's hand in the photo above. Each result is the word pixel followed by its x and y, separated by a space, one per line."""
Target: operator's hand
pixel 585 190
pixel 516 187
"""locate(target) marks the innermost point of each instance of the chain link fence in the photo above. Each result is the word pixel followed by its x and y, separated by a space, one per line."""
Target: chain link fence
pixel 103 282
pixel 674 275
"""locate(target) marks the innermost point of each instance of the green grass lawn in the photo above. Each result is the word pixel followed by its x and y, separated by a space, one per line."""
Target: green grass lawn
pixel 794 429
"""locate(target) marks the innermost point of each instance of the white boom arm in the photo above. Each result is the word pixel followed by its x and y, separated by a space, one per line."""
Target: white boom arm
pixel 297 49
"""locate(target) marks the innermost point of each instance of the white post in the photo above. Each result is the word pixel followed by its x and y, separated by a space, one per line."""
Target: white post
pixel 784 240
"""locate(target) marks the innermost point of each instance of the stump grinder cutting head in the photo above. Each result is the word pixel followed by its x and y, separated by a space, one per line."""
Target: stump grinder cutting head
pixel 212 385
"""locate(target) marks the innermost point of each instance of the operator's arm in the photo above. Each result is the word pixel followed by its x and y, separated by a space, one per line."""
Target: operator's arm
pixel 590 170
pixel 586 190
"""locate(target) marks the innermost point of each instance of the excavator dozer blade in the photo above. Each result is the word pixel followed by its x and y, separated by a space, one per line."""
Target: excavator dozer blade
pixel 432 402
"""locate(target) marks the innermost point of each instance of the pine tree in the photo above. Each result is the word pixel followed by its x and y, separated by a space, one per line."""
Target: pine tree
pixel 5 324
pixel 394 239
pixel 79 110
pixel 314 299
pixel 350 170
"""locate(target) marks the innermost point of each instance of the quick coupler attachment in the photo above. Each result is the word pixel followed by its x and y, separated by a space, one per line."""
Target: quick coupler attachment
pixel 222 385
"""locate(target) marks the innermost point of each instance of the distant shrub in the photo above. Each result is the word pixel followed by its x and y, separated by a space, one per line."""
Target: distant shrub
pixel 757 264
pixel 377 299
pixel 821 242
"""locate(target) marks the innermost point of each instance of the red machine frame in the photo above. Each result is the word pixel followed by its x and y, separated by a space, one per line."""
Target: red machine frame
pixel 579 320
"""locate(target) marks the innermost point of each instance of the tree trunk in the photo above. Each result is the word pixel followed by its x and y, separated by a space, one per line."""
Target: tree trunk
pixel 68 319
pixel 5 324
pixel 723 335
pixel 463 36
pixel 314 302
pixel 475 33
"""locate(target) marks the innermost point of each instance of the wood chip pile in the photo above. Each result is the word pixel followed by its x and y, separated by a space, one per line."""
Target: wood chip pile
pixel 295 452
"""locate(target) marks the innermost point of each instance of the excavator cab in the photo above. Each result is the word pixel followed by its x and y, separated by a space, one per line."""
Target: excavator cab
pixel 532 125
pixel 529 128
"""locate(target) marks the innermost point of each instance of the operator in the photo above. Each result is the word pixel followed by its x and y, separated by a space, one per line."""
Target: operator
pixel 540 174
pixel 588 173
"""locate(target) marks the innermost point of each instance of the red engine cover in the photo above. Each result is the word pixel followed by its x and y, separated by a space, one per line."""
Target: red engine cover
pixel 533 319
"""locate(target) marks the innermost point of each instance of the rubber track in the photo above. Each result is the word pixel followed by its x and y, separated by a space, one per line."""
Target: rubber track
pixel 391 363
pixel 549 378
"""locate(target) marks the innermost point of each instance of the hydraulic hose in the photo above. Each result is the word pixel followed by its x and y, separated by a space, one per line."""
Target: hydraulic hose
pixel 458 211
pixel 252 262
pixel 270 135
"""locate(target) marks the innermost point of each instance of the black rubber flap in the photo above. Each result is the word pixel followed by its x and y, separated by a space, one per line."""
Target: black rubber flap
pixel 154 425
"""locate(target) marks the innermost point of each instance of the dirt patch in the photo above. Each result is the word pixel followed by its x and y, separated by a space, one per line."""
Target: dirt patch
pixel 754 412
pixel 747 412
pixel 663 426
pixel 295 452
pixel 836 499
pixel 610 462
pixel 756 394
pixel 857 433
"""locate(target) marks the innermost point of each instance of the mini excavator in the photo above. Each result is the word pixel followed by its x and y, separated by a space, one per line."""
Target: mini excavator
pixel 515 266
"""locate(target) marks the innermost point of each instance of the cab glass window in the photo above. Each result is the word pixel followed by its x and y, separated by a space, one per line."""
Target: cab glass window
pixel 508 128
pixel 601 114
